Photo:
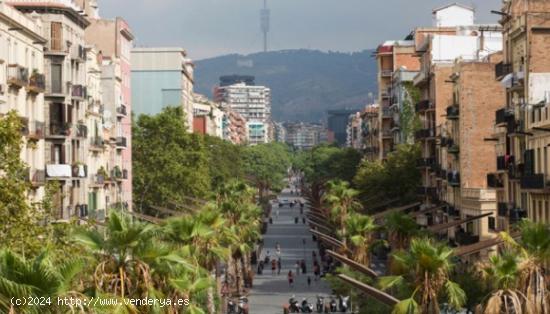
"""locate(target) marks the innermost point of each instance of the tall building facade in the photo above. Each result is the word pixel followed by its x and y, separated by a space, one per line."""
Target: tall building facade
pixel 162 77
pixel 337 125
pixel 304 136
pixel 253 103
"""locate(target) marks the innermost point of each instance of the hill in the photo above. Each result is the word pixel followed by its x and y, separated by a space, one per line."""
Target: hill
pixel 304 83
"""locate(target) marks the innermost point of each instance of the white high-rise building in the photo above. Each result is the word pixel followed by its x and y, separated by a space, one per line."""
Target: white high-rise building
pixel 253 103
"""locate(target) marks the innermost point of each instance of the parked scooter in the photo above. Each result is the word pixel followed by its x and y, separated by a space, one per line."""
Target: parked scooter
pixel 306 306
pixel 333 305
pixel 243 305
pixel 320 304
pixel 293 305
pixel 231 307
pixel 344 304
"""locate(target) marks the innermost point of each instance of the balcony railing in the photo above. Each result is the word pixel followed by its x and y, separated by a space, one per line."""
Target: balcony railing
pixel 452 112
pixel 502 209
pixel 516 215
pixel 58 171
pixel 36 130
pixel 58 128
pixel 18 76
pixel 99 179
pixel 387 113
pixel 121 110
pixel 78 91
pixel 453 178
pixel 464 238
pixel 79 170
pixel 515 126
pixel 81 130
pixel 502 116
pixel 423 133
pixel 502 69
pixel 515 171
pixel 121 141
pixel 97 141
pixel 452 211
pixel 533 182
pixel 423 106
pixel 425 162
pixel 37 177
pixel 37 83
pixel 493 181
pixel 116 173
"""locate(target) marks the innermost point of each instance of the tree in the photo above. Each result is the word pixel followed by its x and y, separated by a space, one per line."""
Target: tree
pixel 169 164
pixel 342 203
pixel 360 229
pixel 408 119
pixel 396 178
pixel 401 228
pixel 266 166
pixel 424 270
pixel 224 161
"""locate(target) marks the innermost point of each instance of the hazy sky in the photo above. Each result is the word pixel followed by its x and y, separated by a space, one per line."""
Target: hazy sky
pixel 207 28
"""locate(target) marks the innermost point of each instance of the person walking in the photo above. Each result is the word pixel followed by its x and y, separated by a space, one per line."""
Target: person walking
pixel 297 266
pixel 273 266
pixel 290 279
pixel 303 265
pixel 279 266
pixel 277 214
pixel 308 281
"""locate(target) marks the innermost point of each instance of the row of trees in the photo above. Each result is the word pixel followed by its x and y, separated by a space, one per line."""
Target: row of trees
pixel 423 274
pixel 203 211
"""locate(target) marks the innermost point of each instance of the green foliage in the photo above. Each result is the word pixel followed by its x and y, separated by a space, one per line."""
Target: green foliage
pixel 266 165
pixel 168 162
pixel 224 161
pixel 325 162
pixel 409 121
pixel 397 178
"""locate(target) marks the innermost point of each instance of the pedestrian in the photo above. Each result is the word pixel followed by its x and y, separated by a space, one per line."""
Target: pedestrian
pixel 290 279
pixel 314 255
pixel 297 266
pixel 303 265
pixel 273 266
pixel 279 267
pixel 308 281
pixel 277 214
pixel 316 271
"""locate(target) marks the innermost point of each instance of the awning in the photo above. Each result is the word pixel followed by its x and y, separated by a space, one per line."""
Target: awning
pixel 482 245
pixel 395 209
pixel 373 292
pixel 454 223
pixel 426 210
pixel 353 264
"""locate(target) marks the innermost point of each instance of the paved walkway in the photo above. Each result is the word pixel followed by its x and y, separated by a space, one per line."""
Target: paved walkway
pixel 271 292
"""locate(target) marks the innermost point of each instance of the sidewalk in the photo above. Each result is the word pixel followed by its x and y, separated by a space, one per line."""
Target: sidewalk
pixel 271 292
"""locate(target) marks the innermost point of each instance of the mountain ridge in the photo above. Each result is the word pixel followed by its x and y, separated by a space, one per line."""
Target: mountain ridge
pixel 304 83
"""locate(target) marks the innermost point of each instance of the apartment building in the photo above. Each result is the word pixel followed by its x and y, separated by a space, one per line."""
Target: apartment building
pixel 162 77
pixel 337 123
pixel 22 86
pixel 465 153
pixel 355 131
pixel 234 126
pixel 302 135
pixel 438 47
pixel 253 103
pixel 522 124
pixel 391 56
pixel 114 38
pixel 207 117
pixel 65 101
pixel 371 129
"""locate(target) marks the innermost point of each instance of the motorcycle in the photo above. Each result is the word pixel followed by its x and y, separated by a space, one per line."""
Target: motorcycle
pixel 320 304
pixel 344 304
pixel 231 307
pixel 243 305
pixel 306 306
pixel 333 305
pixel 293 305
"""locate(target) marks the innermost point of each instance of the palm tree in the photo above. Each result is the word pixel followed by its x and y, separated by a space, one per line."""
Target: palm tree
pixel 122 270
pixel 342 200
pixel 533 249
pixel 503 275
pixel 39 277
pixel 401 228
pixel 360 230
pixel 424 270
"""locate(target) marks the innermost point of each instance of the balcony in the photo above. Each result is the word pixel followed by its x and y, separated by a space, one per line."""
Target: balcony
pixel 79 171
pixel 98 180
pixel 121 142
pixel 425 162
pixel 424 105
pixel 386 73
pixel 516 215
pixel 453 178
pixel 453 112
pixel 423 134
pixel 78 91
pixel 96 143
pixel 59 129
pixel 24 130
pixel 125 174
pixel 493 181
pixel 121 111
pixel 37 177
pixel 502 116
pixel 515 172
pixel 116 174
pixel 36 130
pixel 37 83
pixel 465 238
pixel 426 190
pixel 453 148
pixel 502 209
pixel 81 130
pixel 503 162
pixel 18 76
pixel 502 69
pixel 515 127
pixel 533 182
pixel 387 113
pixel 452 211
pixel 79 53
pixel 387 134
pixel 59 171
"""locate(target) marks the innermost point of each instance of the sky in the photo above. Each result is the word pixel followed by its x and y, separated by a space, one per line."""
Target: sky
pixel 208 28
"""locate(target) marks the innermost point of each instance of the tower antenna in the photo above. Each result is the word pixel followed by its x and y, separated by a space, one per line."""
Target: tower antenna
pixel 264 23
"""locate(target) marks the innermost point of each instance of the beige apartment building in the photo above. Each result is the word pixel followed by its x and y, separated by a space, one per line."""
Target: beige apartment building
pixel 22 87
pixel 522 124
pixel 391 56
pixel 371 126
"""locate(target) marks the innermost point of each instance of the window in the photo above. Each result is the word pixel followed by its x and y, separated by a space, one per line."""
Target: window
pixel 492 224
pixel 56 42
pixel 56 79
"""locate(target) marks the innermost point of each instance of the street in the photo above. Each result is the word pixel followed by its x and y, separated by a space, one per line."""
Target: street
pixel 271 292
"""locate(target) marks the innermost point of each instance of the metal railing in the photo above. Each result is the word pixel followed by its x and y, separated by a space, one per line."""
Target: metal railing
pixel 18 75
pixel 37 82
pixel 502 69
pixel 453 112
pixel 533 182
